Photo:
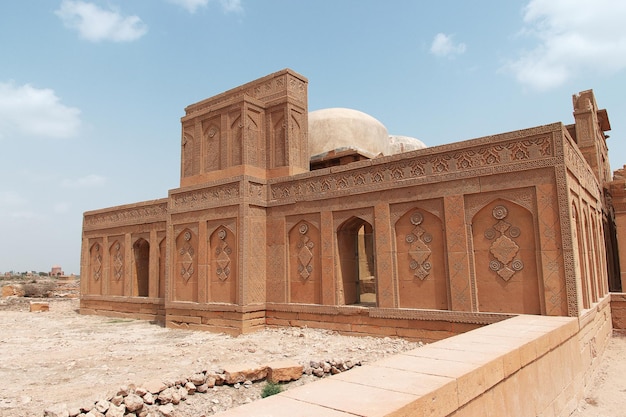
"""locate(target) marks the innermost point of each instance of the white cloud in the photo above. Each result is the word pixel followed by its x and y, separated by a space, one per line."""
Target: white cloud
pixel 573 37
pixel 444 46
pixel 190 5
pixel 96 24
pixel 32 111
pixel 91 180
pixel 231 6
pixel 11 199
pixel 228 6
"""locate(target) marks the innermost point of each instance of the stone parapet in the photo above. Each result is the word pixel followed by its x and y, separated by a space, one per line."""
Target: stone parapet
pixel 525 366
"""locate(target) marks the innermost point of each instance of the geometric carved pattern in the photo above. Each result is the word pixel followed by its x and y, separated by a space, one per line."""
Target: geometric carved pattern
pixel 504 249
pixel 118 262
pixel 223 257
pixel 419 250
pixel 383 175
pixel 187 253
pixel 305 253
pixel 97 263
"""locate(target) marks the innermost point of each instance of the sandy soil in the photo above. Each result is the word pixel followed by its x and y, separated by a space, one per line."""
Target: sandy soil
pixel 606 394
pixel 63 357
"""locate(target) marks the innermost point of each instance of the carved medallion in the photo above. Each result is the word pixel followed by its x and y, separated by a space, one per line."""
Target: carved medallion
pixel 503 249
pixel 223 256
pixel 419 251
pixel 305 253
pixel 186 258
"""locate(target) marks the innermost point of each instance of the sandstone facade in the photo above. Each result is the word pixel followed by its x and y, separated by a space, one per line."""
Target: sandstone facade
pixel 422 244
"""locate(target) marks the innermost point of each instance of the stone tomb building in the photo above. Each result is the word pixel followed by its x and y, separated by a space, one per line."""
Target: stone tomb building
pixel 323 220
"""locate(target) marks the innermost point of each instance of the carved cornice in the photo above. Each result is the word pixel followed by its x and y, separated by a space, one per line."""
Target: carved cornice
pixel 466 160
pixel 140 213
pixel 266 90
pixel 203 198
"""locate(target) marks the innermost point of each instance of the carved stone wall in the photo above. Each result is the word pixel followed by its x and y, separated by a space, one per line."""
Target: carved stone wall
pixel 117 267
pixel 505 259
pixel 304 264
pixel 421 261
pixel 223 271
pixel 185 271
pixel 509 223
pixel 96 268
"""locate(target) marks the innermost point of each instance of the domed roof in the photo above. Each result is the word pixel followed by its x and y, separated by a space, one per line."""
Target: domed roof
pixel 401 144
pixel 340 128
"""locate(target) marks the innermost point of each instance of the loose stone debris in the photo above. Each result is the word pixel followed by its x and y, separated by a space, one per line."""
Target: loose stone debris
pixel 158 398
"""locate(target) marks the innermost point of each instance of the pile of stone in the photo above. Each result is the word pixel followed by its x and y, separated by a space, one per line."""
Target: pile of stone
pixel 332 367
pixel 158 398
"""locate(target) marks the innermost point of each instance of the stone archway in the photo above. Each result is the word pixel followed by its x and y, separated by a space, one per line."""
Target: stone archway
pixel 141 272
pixel 355 243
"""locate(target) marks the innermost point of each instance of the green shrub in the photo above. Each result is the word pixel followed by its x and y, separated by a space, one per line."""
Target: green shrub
pixel 270 389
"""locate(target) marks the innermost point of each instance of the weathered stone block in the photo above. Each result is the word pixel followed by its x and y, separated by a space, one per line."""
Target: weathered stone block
pixel 284 371
pixel 37 306
pixel 238 373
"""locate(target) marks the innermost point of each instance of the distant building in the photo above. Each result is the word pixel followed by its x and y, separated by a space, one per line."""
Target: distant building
pixel 56 271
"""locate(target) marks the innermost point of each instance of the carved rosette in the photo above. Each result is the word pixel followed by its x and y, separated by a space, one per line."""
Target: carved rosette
pixel 186 253
pixel 305 253
pixel 419 251
pixel 222 253
pixel 97 263
pixel 503 249
pixel 118 262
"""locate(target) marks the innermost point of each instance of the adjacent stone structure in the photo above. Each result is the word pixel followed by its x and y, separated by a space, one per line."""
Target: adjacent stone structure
pixel 391 238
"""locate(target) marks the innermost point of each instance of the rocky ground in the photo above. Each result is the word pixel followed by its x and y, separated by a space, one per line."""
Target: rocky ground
pixel 60 360
pixel 60 356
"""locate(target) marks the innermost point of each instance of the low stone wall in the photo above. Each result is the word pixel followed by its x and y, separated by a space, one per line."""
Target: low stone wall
pixel 417 325
pixel 142 308
pixel 221 318
pixel 618 311
pixel 525 366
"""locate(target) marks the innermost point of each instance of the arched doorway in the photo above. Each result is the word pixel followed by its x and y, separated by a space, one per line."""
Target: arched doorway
pixel 141 252
pixel 355 242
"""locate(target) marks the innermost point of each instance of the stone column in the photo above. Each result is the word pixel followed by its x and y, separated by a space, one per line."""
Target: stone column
pixel 618 193
pixel 277 272
pixel 105 265
pixel 460 288
pixel 327 232
pixel 203 268
pixel 153 273
pixel 129 266
pixel 85 272
pixel 551 253
pixel 385 283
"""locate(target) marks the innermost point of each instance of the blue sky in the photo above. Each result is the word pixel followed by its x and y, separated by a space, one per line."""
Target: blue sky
pixel 91 92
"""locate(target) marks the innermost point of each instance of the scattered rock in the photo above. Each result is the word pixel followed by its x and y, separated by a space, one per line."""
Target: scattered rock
pixel 133 402
pixel 57 410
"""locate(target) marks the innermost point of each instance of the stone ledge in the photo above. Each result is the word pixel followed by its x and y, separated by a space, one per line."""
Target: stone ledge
pixel 452 376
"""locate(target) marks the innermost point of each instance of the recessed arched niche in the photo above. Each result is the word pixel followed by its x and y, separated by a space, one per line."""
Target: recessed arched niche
pixel 185 272
pixel 505 259
pixel 304 264
pixel 223 265
pixel 420 251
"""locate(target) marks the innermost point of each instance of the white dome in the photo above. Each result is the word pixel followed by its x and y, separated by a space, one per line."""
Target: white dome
pixel 339 128
pixel 401 144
